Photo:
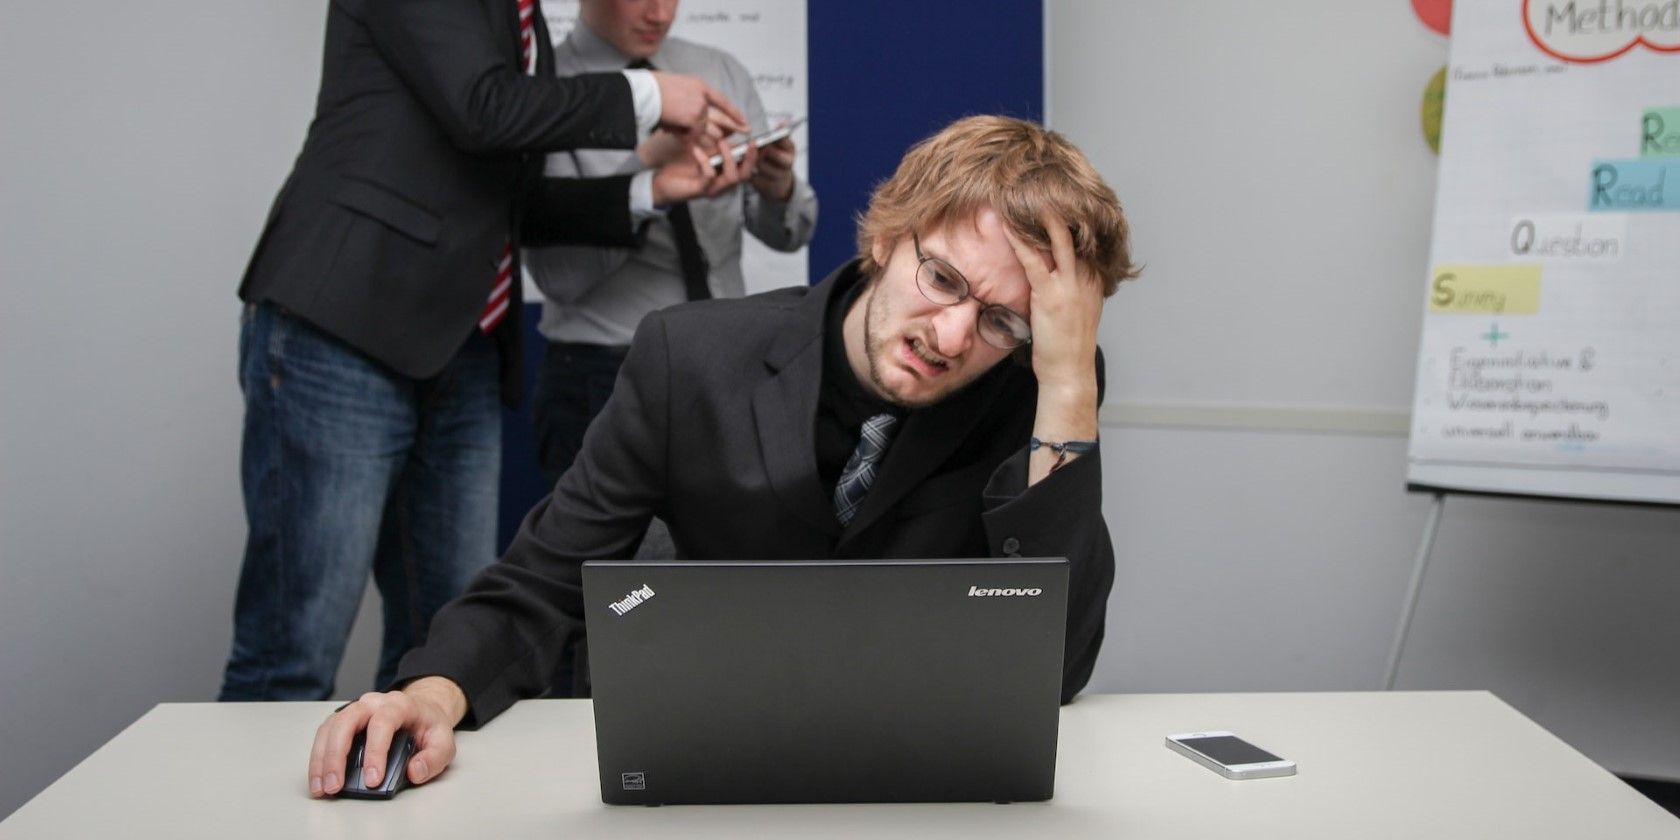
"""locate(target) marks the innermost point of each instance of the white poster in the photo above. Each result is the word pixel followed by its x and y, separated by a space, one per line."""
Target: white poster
pixel 1550 357
pixel 768 36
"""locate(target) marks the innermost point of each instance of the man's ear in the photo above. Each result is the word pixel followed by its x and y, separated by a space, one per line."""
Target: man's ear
pixel 879 249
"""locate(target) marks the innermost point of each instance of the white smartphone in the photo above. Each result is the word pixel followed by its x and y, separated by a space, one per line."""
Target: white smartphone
pixel 1229 756
pixel 765 139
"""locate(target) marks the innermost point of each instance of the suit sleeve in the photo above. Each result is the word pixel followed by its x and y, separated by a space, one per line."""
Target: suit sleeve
pixel 578 211
pixel 1060 516
pixel 500 639
pixel 445 52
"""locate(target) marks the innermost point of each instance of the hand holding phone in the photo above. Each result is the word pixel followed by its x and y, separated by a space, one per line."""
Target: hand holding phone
pixel 684 179
pixel 760 140
pixel 1229 756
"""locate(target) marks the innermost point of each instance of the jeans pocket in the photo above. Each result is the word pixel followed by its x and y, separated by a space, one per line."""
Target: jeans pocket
pixel 255 324
pixel 322 375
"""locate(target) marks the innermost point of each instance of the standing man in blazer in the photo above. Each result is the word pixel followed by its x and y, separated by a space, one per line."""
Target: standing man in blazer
pixel 935 397
pixel 381 319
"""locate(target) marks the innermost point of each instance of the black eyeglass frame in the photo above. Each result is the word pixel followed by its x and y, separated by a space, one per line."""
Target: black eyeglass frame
pixel 1010 339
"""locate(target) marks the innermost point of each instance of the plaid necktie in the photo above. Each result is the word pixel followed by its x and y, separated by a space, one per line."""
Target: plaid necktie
pixel 501 294
pixel 860 468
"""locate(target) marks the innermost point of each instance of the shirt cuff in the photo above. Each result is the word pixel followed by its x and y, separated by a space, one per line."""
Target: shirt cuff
pixel 641 197
pixel 644 93
pixel 787 213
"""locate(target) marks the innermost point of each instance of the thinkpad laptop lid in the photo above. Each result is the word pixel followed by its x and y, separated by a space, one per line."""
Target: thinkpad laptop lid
pixel 826 681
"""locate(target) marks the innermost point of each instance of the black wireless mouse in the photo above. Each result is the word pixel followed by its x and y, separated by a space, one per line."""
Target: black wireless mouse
pixel 396 768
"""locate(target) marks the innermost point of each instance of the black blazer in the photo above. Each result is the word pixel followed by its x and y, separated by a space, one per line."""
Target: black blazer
pixel 417 166
pixel 712 427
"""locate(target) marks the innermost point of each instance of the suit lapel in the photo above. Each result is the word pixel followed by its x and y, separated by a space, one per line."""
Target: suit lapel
pixel 785 409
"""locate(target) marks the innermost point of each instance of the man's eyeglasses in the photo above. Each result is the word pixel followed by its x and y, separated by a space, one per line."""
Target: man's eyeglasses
pixel 940 282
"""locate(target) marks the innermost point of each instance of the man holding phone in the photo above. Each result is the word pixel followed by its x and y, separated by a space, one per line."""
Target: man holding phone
pixel 594 296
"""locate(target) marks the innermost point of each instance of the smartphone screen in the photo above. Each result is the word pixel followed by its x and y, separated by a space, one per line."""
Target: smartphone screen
pixel 1228 750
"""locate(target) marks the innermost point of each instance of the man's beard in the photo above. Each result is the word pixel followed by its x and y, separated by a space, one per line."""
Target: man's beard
pixel 878 347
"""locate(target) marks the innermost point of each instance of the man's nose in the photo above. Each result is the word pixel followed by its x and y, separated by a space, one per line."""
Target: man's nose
pixel 662 11
pixel 953 328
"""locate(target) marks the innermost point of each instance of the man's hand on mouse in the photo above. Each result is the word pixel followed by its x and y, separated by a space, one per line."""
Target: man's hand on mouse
pixel 429 708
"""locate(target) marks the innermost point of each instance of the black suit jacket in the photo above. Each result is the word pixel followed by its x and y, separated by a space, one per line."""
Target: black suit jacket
pixel 712 427
pixel 387 232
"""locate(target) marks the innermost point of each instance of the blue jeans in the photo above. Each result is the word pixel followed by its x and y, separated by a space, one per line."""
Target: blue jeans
pixel 350 468
pixel 573 385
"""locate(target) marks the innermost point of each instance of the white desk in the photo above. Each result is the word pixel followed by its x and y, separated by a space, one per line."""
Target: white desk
pixel 1372 765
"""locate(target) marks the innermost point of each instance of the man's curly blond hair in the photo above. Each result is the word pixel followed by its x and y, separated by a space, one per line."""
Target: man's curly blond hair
pixel 1018 169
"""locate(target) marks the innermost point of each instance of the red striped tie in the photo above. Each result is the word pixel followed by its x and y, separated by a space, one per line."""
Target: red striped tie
pixel 501 295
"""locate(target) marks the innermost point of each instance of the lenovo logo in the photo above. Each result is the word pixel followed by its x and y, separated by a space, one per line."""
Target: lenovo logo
pixel 977 592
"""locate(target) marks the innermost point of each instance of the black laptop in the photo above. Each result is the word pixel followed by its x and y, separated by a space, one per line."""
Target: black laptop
pixel 826 681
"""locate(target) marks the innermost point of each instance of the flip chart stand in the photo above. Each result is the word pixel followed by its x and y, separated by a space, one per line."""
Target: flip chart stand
pixel 1431 526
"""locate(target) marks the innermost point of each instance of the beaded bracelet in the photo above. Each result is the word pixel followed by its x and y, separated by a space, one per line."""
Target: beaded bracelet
pixel 1077 447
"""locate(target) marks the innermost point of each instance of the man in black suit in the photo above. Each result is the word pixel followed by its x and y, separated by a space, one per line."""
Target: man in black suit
pixel 935 397
pixel 382 313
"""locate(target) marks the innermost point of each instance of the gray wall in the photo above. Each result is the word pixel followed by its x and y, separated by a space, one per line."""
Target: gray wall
pixel 1259 375
pixel 1270 159
pixel 141 145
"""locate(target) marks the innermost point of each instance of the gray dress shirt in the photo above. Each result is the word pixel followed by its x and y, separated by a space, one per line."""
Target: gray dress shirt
pixel 597 295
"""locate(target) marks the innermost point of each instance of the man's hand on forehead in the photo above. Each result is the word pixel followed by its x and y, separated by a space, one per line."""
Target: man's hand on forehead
pixel 1067 298
pixel 1066 306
